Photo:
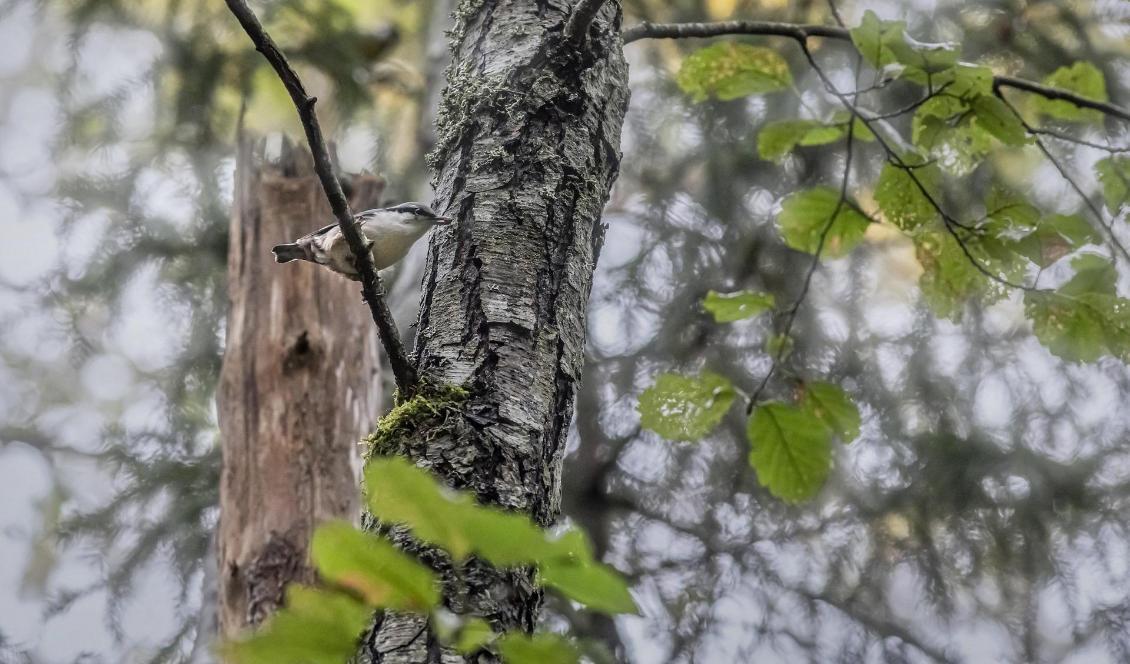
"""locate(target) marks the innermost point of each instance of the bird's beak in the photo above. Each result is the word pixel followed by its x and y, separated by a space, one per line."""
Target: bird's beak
pixel 442 221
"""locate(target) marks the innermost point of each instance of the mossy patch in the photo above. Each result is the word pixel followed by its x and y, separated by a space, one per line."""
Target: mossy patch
pixel 432 410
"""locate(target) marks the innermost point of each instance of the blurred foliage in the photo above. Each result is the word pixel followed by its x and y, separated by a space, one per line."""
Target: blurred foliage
pixel 367 572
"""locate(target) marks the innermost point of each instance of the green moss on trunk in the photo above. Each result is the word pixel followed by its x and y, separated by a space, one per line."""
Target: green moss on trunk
pixel 433 410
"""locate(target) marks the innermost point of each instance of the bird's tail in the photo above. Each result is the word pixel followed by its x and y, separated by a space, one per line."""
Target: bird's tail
pixel 284 253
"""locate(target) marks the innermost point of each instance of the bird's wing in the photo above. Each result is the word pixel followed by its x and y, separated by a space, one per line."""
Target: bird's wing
pixel 360 217
pixel 321 231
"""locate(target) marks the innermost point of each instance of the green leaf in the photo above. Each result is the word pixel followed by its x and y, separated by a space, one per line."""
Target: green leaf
pixel 1016 226
pixel 1114 174
pixel 315 627
pixel 805 217
pixel 399 492
pixel 473 636
pixel 731 70
pixel 885 43
pixel 926 57
pixel 1081 78
pixel 1080 328
pixel 519 648
pixel 829 404
pixel 372 568
pixel 777 139
pixel 502 538
pixel 949 279
pixel 729 307
pixel 944 130
pixel 902 200
pixel 779 345
pixel 966 80
pixel 1093 274
pixel 685 407
pixel 999 120
pixel 597 586
pixel 1060 234
pixel 791 450
pixel 872 38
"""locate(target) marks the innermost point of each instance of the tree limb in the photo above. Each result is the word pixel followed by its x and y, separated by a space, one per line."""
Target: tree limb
pixel 802 32
pixel 580 18
pixel 371 288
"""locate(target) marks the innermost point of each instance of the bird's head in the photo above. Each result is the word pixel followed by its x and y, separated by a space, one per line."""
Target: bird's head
pixel 418 214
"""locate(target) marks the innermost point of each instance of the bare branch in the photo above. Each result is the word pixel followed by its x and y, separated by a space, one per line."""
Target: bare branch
pixel 801 33
pixel 1060 136
pixel 371 288
pixel 580 18
pixel 702 30
pixel 1055 93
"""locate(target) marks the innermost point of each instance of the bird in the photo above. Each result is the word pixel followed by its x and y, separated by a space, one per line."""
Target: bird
pixel 390 233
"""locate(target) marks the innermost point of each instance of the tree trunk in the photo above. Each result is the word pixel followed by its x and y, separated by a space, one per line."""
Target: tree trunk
pixel 298 388
pixel 527 149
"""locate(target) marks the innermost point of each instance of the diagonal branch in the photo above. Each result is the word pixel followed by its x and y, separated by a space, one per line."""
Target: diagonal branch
pixel 580 18
pixel 801 32
pixel 790 315
pixel 1066 175
pixel 1055 93
pixel 371 288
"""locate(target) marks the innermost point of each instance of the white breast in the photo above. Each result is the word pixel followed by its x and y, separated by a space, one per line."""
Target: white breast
pixel 391 238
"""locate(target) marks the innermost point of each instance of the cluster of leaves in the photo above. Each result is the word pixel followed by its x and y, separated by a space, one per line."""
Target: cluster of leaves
pixel 958 122
pixel 365 572
pixel 790 443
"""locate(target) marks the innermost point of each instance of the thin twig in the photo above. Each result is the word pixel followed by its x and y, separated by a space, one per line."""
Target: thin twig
pixel 801 32
pixel 952 225
pixel 1108 227
pixel 1055 93
pixel 580 18
pixel 835 13
pixel 1060 136
pixel 790 315
pixel 371 288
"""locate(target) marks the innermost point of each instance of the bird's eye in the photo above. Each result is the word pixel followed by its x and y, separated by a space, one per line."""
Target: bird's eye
pixel 417 212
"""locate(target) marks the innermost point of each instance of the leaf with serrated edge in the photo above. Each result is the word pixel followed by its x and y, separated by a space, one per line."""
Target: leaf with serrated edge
pixel 791 450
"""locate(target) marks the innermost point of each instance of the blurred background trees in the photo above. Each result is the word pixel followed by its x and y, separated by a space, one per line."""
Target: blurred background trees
pixel 979 516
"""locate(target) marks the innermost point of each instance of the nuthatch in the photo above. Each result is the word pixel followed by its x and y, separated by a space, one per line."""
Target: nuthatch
pixel 390 233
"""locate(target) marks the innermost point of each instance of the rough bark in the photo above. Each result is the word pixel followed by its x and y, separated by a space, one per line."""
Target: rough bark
pixel 298 388
pixel 527 149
